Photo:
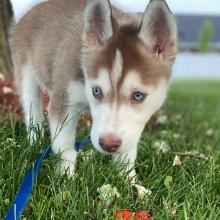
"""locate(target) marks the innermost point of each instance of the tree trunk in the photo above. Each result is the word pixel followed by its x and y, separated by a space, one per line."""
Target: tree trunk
pixel 5 21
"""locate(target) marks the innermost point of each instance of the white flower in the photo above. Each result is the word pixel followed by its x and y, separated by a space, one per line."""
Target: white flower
pixel 162 120
pixel 177 161
pixel 209 132
pixel 176 136
pixel 164 132
pixel 176 118
pixel 142 191
pixel 161 146
pixel 107 193
pixel 9 140
pixel 7 90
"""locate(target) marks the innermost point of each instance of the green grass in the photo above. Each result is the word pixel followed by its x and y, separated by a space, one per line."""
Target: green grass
pixel 195 193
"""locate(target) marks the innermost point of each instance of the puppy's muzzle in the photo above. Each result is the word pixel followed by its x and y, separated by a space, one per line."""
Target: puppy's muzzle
pixel 110 143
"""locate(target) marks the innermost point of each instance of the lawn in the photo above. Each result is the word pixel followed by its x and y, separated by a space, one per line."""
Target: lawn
pixel 193 111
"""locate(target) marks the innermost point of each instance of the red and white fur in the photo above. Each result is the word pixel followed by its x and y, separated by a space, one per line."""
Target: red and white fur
pixel 89 53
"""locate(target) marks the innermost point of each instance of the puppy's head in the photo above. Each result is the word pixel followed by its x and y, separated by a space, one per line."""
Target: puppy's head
pixel 127 70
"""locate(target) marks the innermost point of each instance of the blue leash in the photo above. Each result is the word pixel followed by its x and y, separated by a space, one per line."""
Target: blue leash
pixel 26 187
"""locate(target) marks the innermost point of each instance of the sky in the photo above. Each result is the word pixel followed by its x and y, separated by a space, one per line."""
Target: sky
pixel 204 7
pixel 210 7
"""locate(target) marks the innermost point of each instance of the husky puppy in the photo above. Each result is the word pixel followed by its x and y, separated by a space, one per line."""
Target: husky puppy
pixel 89 53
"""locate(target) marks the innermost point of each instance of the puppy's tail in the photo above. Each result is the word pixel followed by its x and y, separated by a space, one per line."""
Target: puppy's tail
pixel 21 7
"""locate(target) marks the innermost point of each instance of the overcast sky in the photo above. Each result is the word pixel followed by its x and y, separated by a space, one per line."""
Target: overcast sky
pixel 177 6
pixel 205 7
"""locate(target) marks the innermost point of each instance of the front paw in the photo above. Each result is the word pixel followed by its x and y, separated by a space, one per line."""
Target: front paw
pixel 131 175
pixel 128 172
pixel 66 167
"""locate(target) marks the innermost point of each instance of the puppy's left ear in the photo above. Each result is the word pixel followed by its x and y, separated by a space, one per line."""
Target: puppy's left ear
pixel 158 30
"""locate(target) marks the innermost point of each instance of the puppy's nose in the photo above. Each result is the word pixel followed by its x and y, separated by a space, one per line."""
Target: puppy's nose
pixel 110 143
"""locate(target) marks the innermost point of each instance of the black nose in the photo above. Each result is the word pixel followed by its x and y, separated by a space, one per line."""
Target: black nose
pixel 109 143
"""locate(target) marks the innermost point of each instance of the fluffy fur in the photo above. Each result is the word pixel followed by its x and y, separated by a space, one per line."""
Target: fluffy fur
pixel 72 46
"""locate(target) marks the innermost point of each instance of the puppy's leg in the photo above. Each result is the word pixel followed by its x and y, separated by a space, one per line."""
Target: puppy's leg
pixel 128 160
pixel 30 92
pixel 63 121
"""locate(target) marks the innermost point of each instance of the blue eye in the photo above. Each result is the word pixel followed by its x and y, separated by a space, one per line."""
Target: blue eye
pixel 97 92
pixel 138 97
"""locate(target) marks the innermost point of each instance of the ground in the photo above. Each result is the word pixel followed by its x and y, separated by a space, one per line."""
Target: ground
pixel 193 111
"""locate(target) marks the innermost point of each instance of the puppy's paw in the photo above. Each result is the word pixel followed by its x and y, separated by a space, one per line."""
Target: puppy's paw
pixel 66 167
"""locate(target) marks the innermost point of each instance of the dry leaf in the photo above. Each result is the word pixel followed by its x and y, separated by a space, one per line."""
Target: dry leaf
pixel 177 161
pixel 142 191
pixel 107 193
pixel 66 195
pixel 176 136
pixel 161 146
pixel 168 182
pixel 176 118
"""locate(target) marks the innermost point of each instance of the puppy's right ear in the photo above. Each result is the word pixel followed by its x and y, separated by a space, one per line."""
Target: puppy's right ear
pixel 97 23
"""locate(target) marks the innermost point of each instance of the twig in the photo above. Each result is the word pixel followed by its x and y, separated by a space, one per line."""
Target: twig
pixel 188 154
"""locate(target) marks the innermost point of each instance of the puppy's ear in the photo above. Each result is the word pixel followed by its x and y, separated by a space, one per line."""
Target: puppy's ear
pixel 158 30
pixel 97 23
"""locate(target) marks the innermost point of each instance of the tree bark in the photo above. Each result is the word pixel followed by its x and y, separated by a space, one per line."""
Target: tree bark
pixel 5 21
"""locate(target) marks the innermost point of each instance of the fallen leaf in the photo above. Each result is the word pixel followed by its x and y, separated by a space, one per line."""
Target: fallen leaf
pixel 168 182
pixel 177 161
pixel 7 202
pixel 107 194
pixel 66 195
pixel 176 118
pixel 176 136
pixel 124 214
pixel 174 211
pixel 142 191
pixel 161 147
pixel 142 215
pixel 9 101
